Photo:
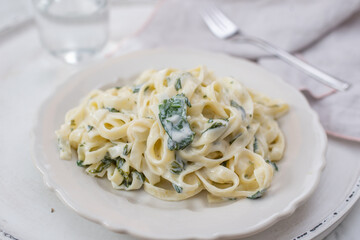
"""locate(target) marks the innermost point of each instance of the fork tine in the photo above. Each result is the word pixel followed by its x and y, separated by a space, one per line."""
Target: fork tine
pixel 218 23
pixel 210 21
pixel 223 19
pixel 214 13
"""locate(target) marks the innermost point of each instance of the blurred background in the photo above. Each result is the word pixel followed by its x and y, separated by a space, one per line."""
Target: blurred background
pixel 322 32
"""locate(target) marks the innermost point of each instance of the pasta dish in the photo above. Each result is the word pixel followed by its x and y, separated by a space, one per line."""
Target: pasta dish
pixel 176 133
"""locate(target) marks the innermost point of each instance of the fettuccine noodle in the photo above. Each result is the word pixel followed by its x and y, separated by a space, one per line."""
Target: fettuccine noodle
pixel 177 133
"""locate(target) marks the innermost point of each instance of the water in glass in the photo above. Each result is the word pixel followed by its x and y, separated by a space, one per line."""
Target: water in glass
pixel 73 30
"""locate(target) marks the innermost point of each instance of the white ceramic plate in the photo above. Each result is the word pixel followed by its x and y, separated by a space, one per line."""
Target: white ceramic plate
pixel 142 215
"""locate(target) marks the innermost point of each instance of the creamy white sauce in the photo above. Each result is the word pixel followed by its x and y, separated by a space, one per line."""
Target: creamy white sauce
pixel 179 136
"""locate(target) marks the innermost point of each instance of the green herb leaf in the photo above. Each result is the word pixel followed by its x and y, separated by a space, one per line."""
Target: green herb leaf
pixel 89 128
pixel 273 164
pixel 101 167
pixel 118 88
pixel 178 165
pixel 217 124
pixel 237 106
pixel 146 88
pixel 178 84
pixel 255 145
pixel 119 162
pixel 139 175
pixel 126 150
pixel 257 195
pixel 127 177
pixel 106 162
pixel 72 122
pixel 136 89
pixel 172 115
pixel 177 188
pixel 80 163
pixel 111 109
pixel 231 198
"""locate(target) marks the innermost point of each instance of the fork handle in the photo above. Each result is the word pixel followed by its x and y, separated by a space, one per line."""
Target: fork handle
pixel 308 69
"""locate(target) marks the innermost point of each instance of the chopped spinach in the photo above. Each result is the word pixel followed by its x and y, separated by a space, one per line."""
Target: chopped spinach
pixel 178 84
pixel 119 162
pixel 177 188
pixel 257 195
pixel 273 164
pixel 111 109
pixel 106 162
pixel 136 89
pixel 89 128
pixel 172 115
pixel 126 150
pixel 255 145
pixel 218 124
pixel 237 106
pixel 140 175
pixel 231 198
pixel 178 165
pixel 80 163
pixel 127 177
pixel 236 137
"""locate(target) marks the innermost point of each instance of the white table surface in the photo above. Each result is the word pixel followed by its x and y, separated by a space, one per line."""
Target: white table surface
pixel 28 75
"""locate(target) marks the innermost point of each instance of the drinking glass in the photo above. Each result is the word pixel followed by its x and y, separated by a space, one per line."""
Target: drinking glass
pixel 72 30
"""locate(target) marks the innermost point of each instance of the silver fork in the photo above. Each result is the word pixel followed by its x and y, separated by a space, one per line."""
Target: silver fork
pixel 222 27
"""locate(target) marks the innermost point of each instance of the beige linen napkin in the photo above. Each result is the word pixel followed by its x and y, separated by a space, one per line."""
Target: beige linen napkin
pixel 340 53
pixel 290 24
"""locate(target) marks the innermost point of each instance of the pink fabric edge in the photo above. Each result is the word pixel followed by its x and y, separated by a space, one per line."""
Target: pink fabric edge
pixel 137 32
pixel 342 136
pixel 317 96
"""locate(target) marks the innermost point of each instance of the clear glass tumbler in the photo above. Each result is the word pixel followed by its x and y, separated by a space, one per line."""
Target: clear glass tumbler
pixel 73 30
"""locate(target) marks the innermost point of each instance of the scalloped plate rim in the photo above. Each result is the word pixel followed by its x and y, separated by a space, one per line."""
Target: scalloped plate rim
pixel 289 210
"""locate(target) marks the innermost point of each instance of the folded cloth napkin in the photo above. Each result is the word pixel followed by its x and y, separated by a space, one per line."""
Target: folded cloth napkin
pixel 320 31
pixel 338 52
pixel 290 24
